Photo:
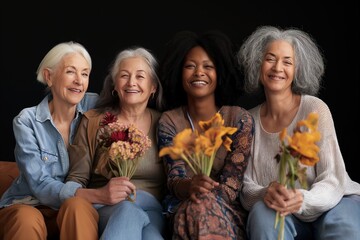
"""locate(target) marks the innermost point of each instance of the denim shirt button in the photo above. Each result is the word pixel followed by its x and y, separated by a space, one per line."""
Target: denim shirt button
pixel 45 158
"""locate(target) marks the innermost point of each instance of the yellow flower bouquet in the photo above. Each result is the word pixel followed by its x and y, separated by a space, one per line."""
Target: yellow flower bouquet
pixel 300 148
pixel 122 147
pixel 198 149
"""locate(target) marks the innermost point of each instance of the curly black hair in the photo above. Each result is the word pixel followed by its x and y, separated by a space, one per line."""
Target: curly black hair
pixel 222 52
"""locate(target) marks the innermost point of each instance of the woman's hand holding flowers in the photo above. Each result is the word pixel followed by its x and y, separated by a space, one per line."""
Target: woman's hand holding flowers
pixel 122 147
pixel 116 190
pixel 295 151
pixel 282 199
pixel 200 184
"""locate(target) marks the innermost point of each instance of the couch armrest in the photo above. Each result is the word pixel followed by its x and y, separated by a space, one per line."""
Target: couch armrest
pixel 8 172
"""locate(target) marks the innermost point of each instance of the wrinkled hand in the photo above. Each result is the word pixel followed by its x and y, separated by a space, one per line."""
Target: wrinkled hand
pixel 117 190
pixel 283 200
pixel 200 184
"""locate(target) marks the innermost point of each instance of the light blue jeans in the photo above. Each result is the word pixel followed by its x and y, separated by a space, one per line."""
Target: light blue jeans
pixel 341 222
pixel 142 219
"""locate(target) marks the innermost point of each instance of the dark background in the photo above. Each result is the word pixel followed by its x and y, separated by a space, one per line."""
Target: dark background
pixel 27 35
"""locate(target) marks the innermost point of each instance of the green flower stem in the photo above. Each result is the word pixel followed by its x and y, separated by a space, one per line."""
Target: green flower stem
pixel 282 225
pixel 188 162
pixel 211 162
pixel 282 178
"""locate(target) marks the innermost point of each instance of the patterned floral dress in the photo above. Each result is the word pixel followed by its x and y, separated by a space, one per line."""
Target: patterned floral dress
pixel 220 214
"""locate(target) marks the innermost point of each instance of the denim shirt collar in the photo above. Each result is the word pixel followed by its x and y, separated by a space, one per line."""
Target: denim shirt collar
pixel 43 111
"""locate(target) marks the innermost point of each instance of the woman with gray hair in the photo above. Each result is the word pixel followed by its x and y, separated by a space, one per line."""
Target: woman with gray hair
pixel 130 89
pixel 33 205
pixel 286 67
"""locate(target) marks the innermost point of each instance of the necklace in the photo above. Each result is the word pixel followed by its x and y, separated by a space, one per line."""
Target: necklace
pixel 190 120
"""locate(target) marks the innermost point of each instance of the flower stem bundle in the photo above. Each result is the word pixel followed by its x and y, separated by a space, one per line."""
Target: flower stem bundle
pixel 122 146
pixel 198 149
pixel 296 150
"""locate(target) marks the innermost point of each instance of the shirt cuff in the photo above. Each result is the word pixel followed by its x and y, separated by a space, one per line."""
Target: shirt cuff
pixel 68 190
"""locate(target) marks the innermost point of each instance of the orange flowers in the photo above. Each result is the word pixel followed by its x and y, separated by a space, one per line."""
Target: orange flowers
pixel 300 148
pixel 198 149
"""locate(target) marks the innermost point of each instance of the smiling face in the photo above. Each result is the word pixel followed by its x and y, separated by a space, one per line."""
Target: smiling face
pixel 69 80
pixel 133 82
pixel 199 74
pixel 278 67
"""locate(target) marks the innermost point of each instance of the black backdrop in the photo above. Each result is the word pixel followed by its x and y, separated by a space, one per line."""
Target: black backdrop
pixel 104 29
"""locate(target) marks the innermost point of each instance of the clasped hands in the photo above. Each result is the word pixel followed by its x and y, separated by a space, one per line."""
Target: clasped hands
pixel 284 200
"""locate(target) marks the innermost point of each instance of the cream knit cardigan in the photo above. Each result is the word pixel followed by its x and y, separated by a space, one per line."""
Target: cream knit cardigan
pixel 328 180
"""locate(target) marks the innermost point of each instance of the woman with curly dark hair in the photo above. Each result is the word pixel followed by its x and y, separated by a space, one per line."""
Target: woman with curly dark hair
pixel 200 78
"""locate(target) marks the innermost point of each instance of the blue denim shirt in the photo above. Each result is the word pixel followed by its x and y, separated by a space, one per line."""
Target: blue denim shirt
pixel 42 156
